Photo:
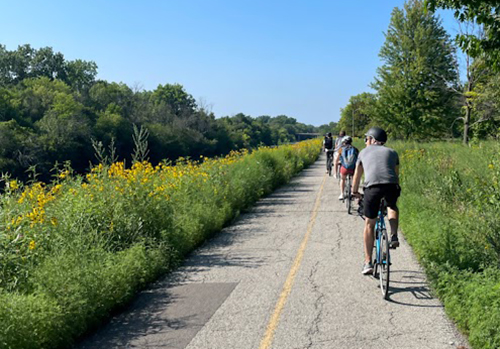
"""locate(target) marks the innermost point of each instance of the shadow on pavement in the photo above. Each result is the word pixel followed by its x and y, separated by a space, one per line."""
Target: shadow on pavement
pixel 414 283
pixel 139 319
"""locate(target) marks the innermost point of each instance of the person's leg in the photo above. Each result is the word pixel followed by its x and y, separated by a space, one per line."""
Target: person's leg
pixel 335 156
pixel 368 237
pixel 329 157
pixel 391 197
pixel 393 216
pixel 342 184
pixel 372 198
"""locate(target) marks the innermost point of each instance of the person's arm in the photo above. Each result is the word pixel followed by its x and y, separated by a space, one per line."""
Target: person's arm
pixel 357 178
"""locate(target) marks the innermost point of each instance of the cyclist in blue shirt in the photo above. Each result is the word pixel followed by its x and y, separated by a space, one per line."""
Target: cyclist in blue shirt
pixel 346 159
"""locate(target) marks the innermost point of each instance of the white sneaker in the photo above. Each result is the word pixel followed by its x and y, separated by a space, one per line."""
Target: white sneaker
pixel 367 269
pixel 341 197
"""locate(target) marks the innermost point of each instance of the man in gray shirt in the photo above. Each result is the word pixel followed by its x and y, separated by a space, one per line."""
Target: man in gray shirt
pixel 381 168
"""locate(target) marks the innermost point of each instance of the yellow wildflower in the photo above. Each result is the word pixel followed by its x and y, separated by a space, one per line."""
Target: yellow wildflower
pixel 13 185
pixel 32 245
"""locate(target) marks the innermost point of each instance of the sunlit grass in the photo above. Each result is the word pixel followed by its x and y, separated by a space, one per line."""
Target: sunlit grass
pixel 449 214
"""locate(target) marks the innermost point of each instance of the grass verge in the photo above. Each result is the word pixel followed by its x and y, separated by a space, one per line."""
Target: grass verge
pixel 73 252
pixel 449 214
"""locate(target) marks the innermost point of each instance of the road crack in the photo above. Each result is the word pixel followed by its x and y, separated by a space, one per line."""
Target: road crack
pixel 318 306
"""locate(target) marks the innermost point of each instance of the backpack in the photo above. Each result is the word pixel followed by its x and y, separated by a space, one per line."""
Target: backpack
pixel 328 142
pixel 349 157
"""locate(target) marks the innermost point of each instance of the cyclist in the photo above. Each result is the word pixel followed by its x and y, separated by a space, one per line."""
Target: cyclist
pixel 346 159
pixel 338 144
pixel 380 165
pixel 328 147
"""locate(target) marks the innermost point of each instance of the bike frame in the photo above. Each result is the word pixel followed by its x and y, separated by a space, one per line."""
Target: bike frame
pixel 383 255
pixel 379 227
pixel 379 261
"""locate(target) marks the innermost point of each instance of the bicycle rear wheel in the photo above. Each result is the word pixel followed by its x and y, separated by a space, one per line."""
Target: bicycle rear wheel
pixel 384 264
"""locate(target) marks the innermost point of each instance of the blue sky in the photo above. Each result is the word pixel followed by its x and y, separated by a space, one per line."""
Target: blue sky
pixel 303 59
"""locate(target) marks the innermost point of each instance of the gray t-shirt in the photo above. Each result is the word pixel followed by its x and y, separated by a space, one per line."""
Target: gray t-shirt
pixel 379 165
pixel 338 143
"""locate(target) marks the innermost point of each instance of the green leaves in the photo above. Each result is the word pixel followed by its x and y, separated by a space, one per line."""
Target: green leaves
pixel 413 85
pixel 482 12
pixel 359 114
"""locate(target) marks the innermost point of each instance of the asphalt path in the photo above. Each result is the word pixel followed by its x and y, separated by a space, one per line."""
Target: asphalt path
pixel 285 274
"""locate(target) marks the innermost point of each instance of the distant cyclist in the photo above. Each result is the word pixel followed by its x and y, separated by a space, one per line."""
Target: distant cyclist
pixel 346 159
pixel 328 147
pixel 338 144
pixel 381 168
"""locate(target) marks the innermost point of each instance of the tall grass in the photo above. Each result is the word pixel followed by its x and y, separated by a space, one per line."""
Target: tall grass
pixel 450 215
pixel 74 251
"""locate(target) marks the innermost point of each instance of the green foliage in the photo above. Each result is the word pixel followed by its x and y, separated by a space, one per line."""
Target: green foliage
pixel 449 214
pixel 357 117
pixel 486 115
pixel 332 127
pixel 414 97
pixel 175 98
pixel 59 107
pixel 27 62
pixel 483 12
pixel 78 249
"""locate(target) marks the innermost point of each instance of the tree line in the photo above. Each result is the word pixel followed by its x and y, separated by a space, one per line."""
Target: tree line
pixel 418 91
pixel 54 110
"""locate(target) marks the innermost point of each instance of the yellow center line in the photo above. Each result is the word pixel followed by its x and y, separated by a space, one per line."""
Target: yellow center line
pixel 287 287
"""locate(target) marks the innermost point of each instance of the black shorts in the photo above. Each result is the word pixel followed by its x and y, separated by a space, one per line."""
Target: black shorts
pixel 374 194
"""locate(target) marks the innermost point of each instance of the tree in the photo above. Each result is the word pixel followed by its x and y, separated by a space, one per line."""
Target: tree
pixel 482 12
pixel 175 97
pixel 36 96
pixel 16 148
pixel 485 119
pixel 476 71
pixel 357 116
pixel 104 93
pixel 80 75
pixel 332 127
pixel 27 62
pixel 415 98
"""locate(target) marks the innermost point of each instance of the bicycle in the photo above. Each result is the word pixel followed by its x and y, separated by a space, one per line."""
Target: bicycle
pixel 382 259
pixel 348 193
pixel 329 162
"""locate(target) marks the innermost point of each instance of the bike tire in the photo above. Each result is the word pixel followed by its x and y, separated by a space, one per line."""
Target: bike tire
pixel 348 197
pixel 377 252
pixel 384 264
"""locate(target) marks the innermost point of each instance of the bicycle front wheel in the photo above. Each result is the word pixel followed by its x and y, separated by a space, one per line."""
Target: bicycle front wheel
pixel 384 264
pixel 348 202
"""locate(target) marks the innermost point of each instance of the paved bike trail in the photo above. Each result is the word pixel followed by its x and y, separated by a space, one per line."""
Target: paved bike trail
pixel 285 274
